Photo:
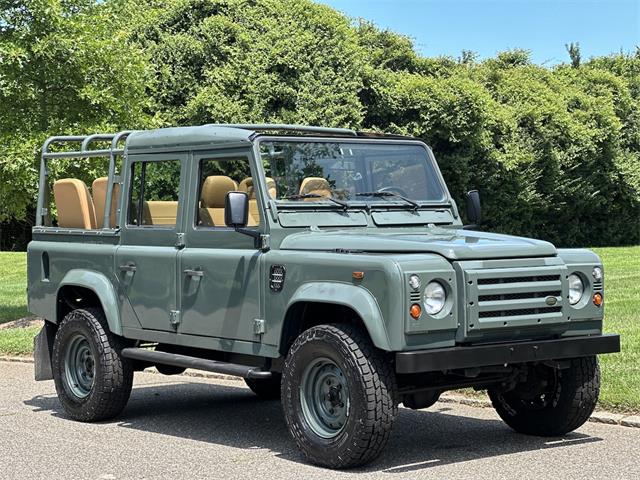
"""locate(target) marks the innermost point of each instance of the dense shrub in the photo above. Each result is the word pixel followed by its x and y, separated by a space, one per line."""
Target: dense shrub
pixel 554 151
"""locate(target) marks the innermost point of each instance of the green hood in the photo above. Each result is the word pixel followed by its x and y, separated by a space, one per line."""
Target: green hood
pixel 451 244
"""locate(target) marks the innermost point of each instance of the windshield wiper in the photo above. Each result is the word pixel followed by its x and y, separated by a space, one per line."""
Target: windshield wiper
pixel 344 205
pixel 415 205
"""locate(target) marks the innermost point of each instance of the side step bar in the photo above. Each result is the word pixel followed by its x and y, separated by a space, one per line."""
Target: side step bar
pixel 185 361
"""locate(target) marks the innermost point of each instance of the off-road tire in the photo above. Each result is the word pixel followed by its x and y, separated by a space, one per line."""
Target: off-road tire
pixel 113 377
pixel 373 396
pixel 575 398
pixel 266 388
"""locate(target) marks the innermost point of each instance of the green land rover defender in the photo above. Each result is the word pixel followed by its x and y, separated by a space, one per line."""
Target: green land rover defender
pixel 327 267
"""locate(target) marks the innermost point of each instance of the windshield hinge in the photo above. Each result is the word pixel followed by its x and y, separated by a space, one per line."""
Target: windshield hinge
pixel 174 318
pixel 265 242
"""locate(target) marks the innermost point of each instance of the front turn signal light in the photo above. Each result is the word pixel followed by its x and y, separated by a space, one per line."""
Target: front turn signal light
pixel 415 311
pixel 597 299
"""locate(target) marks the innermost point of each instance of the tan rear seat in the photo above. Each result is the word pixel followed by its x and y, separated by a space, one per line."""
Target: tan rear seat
pixel 212 197
pixel 159 212
pixel 315 186
pixel 74 204
pixel 99 190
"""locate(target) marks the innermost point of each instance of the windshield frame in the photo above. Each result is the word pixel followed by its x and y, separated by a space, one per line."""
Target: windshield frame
pixel 387 202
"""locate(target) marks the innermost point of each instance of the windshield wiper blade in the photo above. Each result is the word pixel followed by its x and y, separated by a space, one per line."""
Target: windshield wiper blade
pixel 344 205
pixel 415 205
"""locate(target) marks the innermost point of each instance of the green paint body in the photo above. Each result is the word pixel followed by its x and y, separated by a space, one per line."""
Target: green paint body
pixel 320 249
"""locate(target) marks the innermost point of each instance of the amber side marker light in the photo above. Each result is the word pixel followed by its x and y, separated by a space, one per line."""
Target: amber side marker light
pixel 597 299
pixel 357 275
pixel 415 311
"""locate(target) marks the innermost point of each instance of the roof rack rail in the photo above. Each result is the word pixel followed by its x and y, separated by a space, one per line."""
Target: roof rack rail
pixel 286 127
pixel 85 152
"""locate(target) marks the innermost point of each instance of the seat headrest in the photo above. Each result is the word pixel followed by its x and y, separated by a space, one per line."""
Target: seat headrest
pixel 246 185
pixel 215 189
pixel 272 190
pixel 315 185
pixel 74 204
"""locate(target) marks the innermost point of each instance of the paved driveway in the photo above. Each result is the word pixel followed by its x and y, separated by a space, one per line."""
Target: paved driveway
pixel 183 427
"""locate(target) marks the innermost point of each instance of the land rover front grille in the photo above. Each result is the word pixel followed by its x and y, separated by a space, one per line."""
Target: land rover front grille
pixel 514 297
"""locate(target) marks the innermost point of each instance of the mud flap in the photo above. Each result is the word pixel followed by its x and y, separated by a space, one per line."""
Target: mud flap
pixel 42 351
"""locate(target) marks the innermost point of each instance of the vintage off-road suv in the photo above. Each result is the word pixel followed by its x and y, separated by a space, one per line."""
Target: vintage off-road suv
pixel 327 267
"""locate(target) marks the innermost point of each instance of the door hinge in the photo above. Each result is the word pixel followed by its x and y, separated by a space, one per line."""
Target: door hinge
pixel 258 326
pixel 174 317
pixel 179 240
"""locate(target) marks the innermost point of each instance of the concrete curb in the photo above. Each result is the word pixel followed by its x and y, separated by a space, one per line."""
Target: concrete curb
pixel 599 416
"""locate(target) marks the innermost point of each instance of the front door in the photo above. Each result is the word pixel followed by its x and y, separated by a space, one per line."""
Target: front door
pixel 220 268
pixel 146 261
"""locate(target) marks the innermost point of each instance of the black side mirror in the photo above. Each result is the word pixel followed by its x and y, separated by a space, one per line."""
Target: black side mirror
pixel 236 215
pixel 474 214
pixel 236 209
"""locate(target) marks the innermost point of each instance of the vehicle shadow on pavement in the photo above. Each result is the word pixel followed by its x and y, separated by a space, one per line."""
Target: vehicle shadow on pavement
pixel 235 417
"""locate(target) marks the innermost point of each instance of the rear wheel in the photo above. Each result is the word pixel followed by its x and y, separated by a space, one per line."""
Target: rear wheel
pixel 339 396
pixel 552 401
pixel 92 379
pixel 265 388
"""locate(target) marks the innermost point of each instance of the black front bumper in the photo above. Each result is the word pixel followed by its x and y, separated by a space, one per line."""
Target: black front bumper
pixel 504 353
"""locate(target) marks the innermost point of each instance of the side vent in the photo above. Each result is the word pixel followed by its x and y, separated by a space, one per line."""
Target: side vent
pixel 276 278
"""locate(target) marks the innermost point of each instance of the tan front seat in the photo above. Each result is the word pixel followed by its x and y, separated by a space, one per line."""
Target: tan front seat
pixel 99 190
pixel 316 186
pixel 214 192
pixel 74 204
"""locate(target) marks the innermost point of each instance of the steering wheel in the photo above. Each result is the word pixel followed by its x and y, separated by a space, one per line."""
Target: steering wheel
pixel 393 189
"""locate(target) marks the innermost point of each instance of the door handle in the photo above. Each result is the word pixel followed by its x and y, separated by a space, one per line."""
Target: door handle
pixel 127 268
pixel 194 273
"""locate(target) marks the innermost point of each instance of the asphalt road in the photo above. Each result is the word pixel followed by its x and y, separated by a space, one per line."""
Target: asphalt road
pixel 184 427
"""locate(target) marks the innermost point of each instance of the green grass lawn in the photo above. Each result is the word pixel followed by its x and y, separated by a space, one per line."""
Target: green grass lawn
pixel 620 372
pixel 13 284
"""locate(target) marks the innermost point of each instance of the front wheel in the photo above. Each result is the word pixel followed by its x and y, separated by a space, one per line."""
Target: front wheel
pixel 339 396
pixel 552 401
pixel 92 379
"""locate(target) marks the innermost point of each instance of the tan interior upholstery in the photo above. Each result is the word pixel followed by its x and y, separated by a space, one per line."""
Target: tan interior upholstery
pixel 214 192
pixel 99 191
pixel 246 186
pixel 316 186
pixel 158 212
pixel 74 204
pixel 271 187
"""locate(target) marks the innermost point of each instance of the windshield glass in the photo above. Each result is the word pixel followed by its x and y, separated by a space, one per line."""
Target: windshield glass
pixel 320 171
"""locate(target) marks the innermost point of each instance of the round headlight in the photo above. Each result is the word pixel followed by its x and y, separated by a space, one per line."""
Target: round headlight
pixel 435 297
pixel 576 289
pixel 414 282
pixel 597 274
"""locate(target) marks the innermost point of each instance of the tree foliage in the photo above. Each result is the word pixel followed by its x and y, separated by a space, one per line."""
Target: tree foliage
pixel 554 151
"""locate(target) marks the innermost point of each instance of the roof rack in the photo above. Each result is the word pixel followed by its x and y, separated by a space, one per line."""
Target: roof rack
pixel 262 127
pixel 85 152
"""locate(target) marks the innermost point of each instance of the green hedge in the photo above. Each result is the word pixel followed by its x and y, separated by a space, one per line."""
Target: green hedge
pixel 554 151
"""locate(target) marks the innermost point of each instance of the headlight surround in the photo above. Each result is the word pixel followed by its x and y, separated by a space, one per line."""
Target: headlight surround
pixel 435 297
pixel 576 288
